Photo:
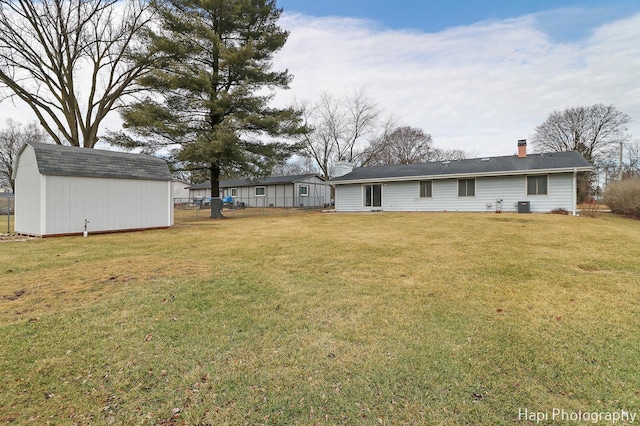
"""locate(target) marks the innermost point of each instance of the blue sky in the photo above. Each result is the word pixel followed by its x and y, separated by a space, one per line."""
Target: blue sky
pixel 476 75
pixel 437 15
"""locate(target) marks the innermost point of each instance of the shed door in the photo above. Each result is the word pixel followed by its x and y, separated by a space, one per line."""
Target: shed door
pixel 373 195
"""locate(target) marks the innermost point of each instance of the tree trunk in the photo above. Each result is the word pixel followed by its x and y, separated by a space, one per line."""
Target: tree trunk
pixel 216 202
pixel 216 208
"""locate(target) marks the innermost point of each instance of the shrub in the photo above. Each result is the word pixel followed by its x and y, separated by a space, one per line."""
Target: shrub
pixel 560 210
pixel 624 197
pixel 590 208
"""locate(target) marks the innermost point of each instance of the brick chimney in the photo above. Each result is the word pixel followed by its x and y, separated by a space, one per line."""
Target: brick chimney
pixel 522 148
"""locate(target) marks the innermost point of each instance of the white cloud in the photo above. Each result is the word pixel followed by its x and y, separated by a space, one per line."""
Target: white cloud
pixel 478 88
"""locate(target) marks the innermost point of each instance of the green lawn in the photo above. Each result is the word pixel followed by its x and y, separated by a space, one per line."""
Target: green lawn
pixel 412 318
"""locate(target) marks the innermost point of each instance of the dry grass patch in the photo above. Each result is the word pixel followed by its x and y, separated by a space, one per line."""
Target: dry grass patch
pixel 324 318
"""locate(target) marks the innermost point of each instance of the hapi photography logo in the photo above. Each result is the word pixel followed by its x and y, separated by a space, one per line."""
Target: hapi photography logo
pixel 561 415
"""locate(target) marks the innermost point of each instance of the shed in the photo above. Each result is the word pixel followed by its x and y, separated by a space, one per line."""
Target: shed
pixel 59 188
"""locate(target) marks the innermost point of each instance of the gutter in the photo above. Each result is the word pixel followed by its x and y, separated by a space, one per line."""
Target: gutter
pixel 461 175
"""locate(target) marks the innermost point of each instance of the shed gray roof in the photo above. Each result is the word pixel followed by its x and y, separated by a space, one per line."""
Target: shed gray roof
pixel 273 180
pixel 58 160
pixel 544 163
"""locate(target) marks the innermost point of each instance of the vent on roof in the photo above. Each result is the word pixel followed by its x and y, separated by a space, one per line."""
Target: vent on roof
pixel 485 159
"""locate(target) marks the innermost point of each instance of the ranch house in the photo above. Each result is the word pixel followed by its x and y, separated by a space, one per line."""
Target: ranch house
pixel 304 191
pixel 517 183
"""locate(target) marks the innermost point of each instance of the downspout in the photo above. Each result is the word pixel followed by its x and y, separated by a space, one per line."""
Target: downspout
pixel 335 196
pixel 575 192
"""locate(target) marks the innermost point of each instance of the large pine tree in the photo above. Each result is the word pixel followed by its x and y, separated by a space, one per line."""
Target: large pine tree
pixel 208 100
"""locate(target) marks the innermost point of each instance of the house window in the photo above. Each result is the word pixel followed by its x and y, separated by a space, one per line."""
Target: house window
pixel 304 190
pixel 234 192
pixel 466 187
pixel 537 185
pixel 261 191
pixel 372 195
pixel 425 188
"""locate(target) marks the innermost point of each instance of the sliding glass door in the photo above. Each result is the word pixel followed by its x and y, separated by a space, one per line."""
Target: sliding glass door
pixel 372 195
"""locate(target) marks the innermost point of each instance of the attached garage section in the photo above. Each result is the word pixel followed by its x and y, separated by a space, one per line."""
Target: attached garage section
pixel 58 188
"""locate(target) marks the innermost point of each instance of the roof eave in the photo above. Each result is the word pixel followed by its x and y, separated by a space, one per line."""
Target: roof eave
pixel 258 183
pixel 464 175
pixel 18 154
pixel 105 176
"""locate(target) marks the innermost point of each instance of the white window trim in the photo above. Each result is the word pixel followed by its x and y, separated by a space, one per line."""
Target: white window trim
pixel 233 192
pixel 255 192
pixel 526 186
pixel 300 190
pixel 364 196
pixel 475 188
pixel 420 189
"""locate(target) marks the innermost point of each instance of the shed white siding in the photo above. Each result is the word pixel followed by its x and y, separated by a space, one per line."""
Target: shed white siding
pixel 405 195
pixel 31 187
pixel 51 204
pixel 108 204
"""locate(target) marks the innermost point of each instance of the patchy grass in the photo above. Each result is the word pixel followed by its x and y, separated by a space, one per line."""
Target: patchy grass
pixel 323 319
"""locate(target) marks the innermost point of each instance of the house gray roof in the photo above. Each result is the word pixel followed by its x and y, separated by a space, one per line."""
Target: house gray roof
pixel 58 160
pixel 274 180
pixel 537 163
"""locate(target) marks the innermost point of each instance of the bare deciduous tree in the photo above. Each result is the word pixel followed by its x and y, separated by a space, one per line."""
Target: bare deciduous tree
pixel 631 160
pixel 594 131
pixel 11 139
pixel 404 145
pixel 71 61
pixel 295 166
pixel 337 128
pixel 451 154
pixel 318 141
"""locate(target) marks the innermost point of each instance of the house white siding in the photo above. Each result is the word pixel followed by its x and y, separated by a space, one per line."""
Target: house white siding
pixel 279 195
pixel 349 198
pixel 280 191
pixel 258 200
pixel 319 193
pixel 405 195
pixel 179 191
